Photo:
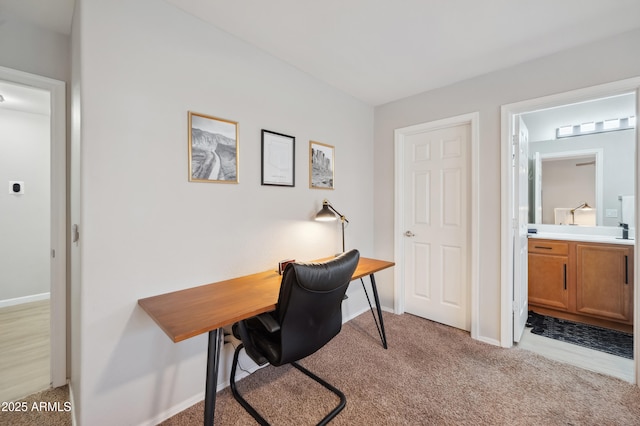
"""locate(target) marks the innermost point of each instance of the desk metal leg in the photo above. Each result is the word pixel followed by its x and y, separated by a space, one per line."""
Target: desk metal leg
pixel 213 364
pixel 380 325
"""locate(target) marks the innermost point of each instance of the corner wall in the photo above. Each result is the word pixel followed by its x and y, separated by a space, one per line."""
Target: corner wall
pixel 146 230
pixel 35 50
pixel 597 63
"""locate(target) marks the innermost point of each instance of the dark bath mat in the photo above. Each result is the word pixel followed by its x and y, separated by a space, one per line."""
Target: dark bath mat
pixel 589 336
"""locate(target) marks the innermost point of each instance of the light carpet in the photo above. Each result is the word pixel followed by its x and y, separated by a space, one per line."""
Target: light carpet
pixel 430 375
pixel 50 407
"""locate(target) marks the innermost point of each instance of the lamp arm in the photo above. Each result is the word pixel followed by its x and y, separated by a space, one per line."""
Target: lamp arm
pixel 342 217
pixel 583 205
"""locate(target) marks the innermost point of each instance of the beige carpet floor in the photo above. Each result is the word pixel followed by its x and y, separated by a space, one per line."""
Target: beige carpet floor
pixel 47 408
pixel 430 375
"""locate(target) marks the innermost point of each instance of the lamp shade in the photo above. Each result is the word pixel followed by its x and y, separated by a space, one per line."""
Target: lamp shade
pixel 325 214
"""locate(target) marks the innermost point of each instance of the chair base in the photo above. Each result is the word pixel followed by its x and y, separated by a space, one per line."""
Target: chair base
pixel 258 417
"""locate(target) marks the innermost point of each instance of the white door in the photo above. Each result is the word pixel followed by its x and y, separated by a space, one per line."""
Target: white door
pixel 436 221
pixel 521 221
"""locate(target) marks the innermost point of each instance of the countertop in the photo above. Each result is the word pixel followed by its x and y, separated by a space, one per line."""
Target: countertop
pixel 582 237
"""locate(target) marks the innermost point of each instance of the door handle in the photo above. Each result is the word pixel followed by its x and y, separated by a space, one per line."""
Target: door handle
pixel 409 234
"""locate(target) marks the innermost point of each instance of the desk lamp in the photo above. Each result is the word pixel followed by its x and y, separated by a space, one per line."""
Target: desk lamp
pixel 328 213
pixel 584 205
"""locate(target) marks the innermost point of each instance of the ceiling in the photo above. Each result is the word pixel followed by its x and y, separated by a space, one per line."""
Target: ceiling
pixel 54 15
pixel 380 50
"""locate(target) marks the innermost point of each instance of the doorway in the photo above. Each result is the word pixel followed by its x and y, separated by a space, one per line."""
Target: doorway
pixel 607 213
pixel 455 142
pixel 33 136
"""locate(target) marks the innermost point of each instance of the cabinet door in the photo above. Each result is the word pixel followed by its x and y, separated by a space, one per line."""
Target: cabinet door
pixel 548 281
pixel 605 281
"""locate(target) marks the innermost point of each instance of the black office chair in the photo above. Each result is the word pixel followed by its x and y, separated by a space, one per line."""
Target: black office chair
pixel 307 316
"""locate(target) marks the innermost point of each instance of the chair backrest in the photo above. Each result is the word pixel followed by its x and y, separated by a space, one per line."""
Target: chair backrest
pixel 309 307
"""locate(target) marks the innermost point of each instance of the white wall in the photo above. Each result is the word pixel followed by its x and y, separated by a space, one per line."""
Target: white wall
pixel 145 230
pixel 24 219
pixel 597 63
pixel 28 48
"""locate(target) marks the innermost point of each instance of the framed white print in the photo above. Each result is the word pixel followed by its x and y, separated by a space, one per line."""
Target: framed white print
pixel 278 159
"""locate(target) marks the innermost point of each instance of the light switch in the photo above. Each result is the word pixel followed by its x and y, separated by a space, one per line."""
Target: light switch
pixel 611 213
pixel 16 187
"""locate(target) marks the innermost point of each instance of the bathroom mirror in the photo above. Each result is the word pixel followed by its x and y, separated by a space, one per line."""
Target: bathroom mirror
pixel 583 179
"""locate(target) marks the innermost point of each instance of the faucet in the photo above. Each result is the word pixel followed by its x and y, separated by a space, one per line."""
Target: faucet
pixel 625 231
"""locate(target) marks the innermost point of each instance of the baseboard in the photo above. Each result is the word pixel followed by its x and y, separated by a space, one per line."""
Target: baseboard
pixel 354 315
pixel 24 299
pixel 488 340
pixel 170 412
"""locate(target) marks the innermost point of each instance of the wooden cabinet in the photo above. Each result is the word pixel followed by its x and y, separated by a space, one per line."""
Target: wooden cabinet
pixel 582 281
pixel 548 270
pixel 605 281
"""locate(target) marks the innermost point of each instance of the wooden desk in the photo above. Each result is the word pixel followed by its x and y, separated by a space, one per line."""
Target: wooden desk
pixel 207 308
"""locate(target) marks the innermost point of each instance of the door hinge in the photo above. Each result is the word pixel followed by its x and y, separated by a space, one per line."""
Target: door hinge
pixel 53 253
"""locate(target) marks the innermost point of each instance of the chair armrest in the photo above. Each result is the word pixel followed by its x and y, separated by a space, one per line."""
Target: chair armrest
pixel 268 322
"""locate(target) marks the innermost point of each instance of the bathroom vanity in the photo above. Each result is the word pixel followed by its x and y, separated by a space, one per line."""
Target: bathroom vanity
pixel 582 278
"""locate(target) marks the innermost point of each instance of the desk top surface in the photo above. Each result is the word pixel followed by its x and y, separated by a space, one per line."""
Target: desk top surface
pixel 186 313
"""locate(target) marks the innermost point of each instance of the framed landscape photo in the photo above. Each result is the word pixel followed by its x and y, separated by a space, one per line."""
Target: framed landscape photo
pixel 321 165
pixel 213 149
pixel 278 159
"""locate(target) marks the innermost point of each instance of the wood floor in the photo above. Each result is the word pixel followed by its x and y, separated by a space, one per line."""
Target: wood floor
pixel 568 353
pixel 25 335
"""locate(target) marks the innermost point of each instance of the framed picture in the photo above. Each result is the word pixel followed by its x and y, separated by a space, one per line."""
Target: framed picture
pixel 213 149
pixel 278 159
pixel 321 165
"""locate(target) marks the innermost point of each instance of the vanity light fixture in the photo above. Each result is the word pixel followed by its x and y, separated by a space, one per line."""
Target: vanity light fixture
pixel 588 127
pixel 609 125
pixel 565 131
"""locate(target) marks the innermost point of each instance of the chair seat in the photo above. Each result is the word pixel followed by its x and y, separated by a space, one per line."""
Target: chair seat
pixel 265 347
pixel 307 316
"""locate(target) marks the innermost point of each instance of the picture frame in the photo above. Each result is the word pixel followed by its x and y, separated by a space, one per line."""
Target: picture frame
pixel 213 149
pixel 321 165
pixel 278 159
